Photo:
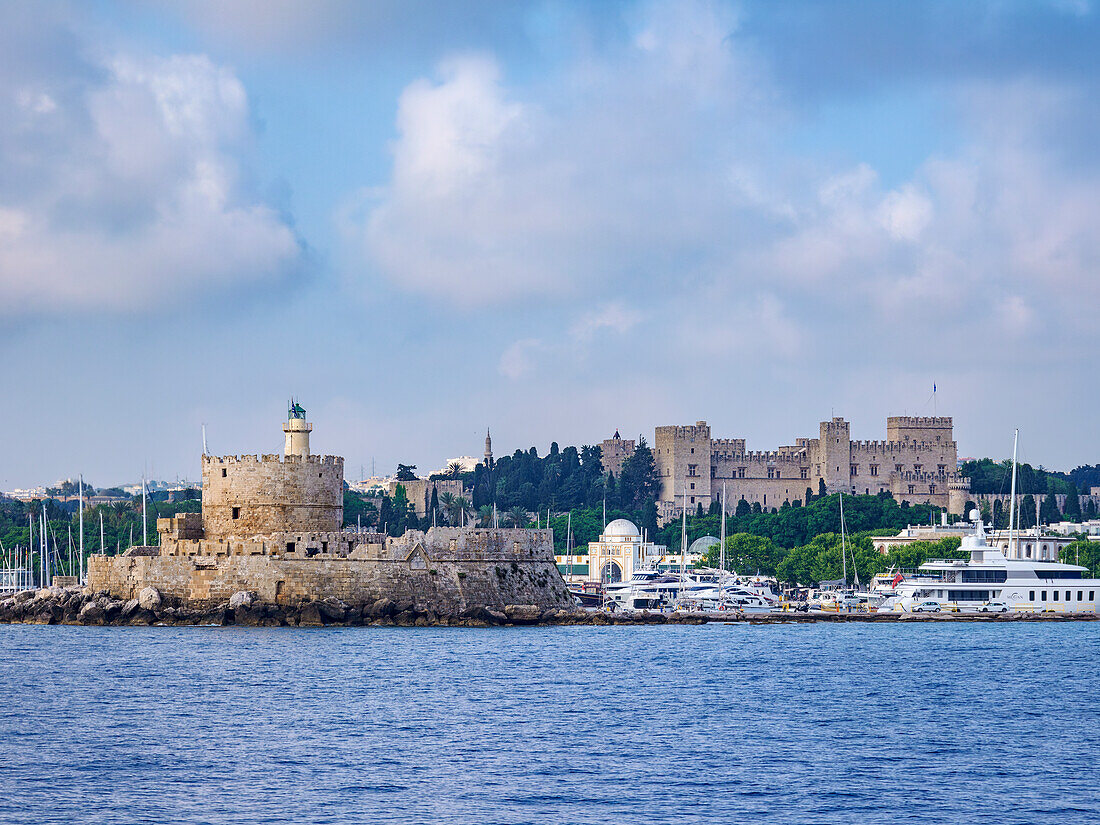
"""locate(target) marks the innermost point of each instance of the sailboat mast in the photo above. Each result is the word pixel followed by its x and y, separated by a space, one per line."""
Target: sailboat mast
pixel 80 572
pixel 722 547
pixel 569 541
pixel 1013 552
pixel 843 546
pixel 683 547
pixel 144 526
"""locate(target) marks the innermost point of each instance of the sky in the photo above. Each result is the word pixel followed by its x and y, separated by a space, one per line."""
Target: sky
pixel 552 219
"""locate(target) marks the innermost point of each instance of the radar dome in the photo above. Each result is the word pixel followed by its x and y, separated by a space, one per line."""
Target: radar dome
pixel 975 515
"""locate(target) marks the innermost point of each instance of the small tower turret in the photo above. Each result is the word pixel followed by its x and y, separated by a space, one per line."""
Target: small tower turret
pixel 297 431
pixel 488 450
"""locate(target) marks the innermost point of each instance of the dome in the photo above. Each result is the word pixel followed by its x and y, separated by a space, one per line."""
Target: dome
pixel 700 546
pixel 620 528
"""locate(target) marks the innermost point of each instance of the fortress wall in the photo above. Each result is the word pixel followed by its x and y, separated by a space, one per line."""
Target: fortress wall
pixel 444 570
pixel 249 496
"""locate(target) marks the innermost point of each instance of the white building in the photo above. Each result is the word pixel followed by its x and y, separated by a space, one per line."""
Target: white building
pixel 620 551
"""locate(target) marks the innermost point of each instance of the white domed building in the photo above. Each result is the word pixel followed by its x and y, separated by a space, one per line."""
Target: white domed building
pixel 621 549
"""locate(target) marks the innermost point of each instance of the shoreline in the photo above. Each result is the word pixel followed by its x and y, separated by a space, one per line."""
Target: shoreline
pixel 75 606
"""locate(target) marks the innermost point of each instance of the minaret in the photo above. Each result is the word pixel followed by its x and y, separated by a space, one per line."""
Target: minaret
pixel 297 431
pixel 488 450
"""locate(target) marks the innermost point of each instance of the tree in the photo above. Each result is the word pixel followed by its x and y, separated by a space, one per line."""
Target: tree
pixel 1085 553
pixel 821 490
pixel 516 517
pixel 406 472
pixel 454 470
pixel 1072 509
pixel 1048 510
pixel 699 510
pixel 639 482
pixel 743 508
pixel 447 502
pixel 747 554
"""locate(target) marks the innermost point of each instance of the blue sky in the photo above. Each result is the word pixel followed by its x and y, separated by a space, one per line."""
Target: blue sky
pixel 552 219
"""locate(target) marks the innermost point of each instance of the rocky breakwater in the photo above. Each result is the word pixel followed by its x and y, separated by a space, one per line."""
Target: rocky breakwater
pixel 81 606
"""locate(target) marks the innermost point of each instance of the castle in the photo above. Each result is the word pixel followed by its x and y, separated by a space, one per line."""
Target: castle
pixel 917 463
pixel 273 526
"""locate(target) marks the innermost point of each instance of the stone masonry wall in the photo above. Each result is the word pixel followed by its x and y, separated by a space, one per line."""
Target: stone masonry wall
pixel 251 496
pixel 445 570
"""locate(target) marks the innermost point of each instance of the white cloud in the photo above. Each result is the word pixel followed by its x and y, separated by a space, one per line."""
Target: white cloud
pixel 517 360
pixel 124 189
pixel 614 316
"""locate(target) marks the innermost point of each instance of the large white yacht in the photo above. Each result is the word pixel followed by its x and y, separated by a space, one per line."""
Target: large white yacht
pixel 991 580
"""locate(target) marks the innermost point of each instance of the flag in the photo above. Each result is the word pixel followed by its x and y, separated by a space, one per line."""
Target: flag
pixel 933 386
pixel 897 580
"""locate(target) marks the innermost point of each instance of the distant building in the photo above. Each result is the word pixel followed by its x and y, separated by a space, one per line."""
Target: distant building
pixel 419 491
pixel 614 451
pixel 466 463
pixel 1026 544
pixel 620 550
pixel 916 463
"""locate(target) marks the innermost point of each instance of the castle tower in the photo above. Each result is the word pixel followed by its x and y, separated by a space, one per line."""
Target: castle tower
pixel 835 455
pixel 488 450
pixel 297 431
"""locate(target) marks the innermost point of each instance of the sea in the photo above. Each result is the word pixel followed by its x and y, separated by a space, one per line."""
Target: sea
pixel 818 723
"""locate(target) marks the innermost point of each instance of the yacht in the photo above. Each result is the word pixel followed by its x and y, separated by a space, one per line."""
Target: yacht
pixel 988 575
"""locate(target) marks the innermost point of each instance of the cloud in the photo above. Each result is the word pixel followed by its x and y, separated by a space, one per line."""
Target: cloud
pixel 517 360
pixel 615 165
pixel 124 186
pixel 613 316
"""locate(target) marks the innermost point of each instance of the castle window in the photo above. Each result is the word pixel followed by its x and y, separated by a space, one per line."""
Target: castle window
pixel 324 547
pixel 693 449
pixel 693 485
pixel 874 469
pixel 910 489
pixel 693 499
pixel 805 472
pixel 931 488
pixel 897 468
pixel 236 512
pixel 319 475
pixel 693 470
pixel 916 468
pixel 224 472
pixel 290 547
pixel 941 467
pixel 854 470
pixel 740 472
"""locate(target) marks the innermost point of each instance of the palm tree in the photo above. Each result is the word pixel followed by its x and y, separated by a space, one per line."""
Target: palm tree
pixel 454 469
pixel 447 503
pixel 462 507
pixel 517 517
pixel 485 515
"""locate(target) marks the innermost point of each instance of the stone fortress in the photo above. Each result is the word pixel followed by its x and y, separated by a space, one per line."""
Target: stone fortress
pixel 916 463
pixel 273 526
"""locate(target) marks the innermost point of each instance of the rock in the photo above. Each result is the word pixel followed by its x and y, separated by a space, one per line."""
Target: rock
pixel 129 608
pixel 332 610
pixel 406 618
pixel 522 613
pixel 242 598
pixel 149 598
pixel 90 613
pixel 310 616
pixel 494 616
pixel 383 608
pixel 23 596
pixel 244 617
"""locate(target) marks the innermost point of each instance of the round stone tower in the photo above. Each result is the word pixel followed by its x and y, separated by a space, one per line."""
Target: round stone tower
pixel 958 493
pixel 244 496
pixel 297 431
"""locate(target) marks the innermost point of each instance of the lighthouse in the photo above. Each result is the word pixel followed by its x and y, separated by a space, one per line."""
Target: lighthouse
pixel 297 431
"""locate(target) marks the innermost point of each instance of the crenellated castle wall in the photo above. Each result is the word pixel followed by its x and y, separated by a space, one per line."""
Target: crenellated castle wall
pixel 256 495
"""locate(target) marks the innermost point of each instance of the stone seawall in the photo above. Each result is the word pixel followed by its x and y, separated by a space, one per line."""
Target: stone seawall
pixel 441 586
pixel 445 570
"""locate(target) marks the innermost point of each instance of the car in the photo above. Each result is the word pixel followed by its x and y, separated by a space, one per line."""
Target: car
pixel 995 606
pixel 927 607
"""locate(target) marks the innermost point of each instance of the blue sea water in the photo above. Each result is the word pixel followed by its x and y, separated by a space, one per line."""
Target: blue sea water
pixel 719 723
